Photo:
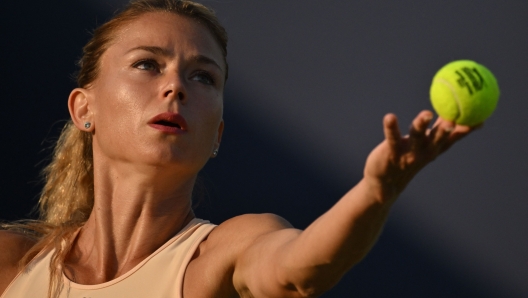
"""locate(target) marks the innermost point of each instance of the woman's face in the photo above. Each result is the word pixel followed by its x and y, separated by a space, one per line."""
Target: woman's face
pixel 158 98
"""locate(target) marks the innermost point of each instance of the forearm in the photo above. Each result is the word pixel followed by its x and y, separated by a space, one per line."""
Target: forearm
pixel 307 263
pixel 337 240
pixel 320 255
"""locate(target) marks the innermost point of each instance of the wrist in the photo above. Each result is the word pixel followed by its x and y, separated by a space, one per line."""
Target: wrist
pixel 381 191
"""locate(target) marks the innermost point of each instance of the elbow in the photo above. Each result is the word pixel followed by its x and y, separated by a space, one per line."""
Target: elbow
pixel 311 291
pixel 314 288
pixel 318 280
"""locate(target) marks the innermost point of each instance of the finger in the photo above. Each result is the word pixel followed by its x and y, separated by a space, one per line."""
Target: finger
pixel 461 131
pixel 442 121
pixel 391 131
pixel 441 133
pixel 438 121
pixel 418 130
pixel 439 140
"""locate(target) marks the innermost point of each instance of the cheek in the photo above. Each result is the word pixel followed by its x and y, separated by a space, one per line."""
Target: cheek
pixel 210 107
pixel 204 109
pixel 210 119
pixel 119 113
pixel 120 101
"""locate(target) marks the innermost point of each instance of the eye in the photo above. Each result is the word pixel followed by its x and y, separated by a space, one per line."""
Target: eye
pixel 147 64
pixel 203 77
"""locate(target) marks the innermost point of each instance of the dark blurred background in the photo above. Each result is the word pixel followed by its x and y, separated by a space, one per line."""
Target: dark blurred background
pixel 309 84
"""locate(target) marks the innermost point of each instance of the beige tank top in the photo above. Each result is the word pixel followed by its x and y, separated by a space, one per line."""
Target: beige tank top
pixel 159 275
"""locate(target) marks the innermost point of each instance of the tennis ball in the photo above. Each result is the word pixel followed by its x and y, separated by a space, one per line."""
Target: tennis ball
pixel 465 92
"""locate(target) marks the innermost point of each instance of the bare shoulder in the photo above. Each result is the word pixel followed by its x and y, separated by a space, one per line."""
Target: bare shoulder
pixel 239 232
pixel 251 226
pixel 210 273
pixel 14 247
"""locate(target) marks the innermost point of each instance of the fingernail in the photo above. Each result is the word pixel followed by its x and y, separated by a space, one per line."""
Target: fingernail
pixel 448 129
pixel 428 118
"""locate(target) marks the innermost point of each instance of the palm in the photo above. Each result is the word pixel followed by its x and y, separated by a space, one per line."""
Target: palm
pixel 394 162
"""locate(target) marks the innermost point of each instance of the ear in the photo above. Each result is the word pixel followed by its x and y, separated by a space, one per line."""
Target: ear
pixel 219 134
pixel 218 138
pixel 79 108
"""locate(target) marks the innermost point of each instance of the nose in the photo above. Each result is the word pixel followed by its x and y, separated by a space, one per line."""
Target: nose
pixel 179 95
pixel 175 89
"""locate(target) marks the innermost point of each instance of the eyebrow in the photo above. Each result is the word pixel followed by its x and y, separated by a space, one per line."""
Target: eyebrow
pixel 152 49
pixel 167 53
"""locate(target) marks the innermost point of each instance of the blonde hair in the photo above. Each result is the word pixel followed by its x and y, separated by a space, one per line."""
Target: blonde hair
pixel 68 195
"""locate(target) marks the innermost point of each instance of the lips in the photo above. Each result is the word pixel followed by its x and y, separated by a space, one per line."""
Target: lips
pixel 171 123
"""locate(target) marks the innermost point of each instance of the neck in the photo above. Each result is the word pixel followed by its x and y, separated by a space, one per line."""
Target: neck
pixel 135 212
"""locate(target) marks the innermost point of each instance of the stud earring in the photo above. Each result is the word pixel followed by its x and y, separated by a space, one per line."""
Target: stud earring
pixel 215 152
pixel 87 125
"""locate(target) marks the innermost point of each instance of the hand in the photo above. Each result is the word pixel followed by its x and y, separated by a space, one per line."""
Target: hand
pixel 394 162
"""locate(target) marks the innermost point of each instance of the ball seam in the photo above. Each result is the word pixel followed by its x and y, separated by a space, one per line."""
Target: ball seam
pixel 455 96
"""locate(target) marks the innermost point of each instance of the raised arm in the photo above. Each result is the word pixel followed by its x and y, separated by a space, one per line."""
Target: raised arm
pixel 292 263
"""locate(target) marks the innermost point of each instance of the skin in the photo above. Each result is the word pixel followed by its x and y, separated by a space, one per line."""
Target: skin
pixel 144 177
pixel 14 247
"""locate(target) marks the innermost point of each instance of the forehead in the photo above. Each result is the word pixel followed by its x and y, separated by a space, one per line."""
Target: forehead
pixel 169 31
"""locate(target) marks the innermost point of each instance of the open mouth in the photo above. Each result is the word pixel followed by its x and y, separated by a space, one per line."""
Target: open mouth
pixel 167 123
pixel 172 123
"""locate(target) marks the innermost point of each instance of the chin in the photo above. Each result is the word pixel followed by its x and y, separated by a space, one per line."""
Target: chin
pixel 172 159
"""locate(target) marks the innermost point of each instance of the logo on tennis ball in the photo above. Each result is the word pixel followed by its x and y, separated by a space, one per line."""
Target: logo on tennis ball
pixel 472 75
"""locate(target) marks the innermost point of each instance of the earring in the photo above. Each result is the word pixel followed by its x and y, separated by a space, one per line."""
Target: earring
pixel 87 125
pixel 215 152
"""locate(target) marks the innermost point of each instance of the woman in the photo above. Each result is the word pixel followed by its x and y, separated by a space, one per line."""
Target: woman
pixel 116 208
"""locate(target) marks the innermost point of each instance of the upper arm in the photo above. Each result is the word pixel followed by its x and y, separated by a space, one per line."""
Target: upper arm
pixel 260 239
pixel 14 247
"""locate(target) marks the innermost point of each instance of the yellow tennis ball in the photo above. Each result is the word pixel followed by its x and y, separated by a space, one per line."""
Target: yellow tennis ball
pixel 465 92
